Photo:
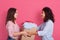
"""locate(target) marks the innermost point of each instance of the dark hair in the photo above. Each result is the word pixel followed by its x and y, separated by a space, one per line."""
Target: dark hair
pixel 48 14
pixel 10 15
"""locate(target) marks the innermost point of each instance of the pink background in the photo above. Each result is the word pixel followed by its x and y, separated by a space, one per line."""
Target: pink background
pixel 29 10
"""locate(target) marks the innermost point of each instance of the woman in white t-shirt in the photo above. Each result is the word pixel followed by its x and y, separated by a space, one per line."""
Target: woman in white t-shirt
pixel 45 30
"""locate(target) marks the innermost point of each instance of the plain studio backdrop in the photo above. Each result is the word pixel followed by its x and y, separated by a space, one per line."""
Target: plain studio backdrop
pixel 29 10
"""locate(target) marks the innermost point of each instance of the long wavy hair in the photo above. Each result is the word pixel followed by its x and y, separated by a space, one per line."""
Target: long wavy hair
pixel 10 15
pixel 48 14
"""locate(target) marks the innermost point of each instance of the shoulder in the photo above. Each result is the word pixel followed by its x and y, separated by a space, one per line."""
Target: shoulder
pixel 49 22
pixel 10 23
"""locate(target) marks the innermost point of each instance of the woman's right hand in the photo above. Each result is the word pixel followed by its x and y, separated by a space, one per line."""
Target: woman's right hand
pixel 16 34
pixel 24 33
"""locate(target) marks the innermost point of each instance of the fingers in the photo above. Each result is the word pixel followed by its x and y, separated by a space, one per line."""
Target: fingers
pixel 25 34
pixel 15 34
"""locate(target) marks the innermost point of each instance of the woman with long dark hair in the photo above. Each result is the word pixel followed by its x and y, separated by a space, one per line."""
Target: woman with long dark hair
pixel 12 26
pixel 45 30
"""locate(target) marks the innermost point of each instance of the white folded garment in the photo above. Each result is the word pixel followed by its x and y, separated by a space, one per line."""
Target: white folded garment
pixel 29 25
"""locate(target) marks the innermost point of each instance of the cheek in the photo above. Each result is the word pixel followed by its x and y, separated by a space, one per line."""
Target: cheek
pixel 15 15
pixel 44 15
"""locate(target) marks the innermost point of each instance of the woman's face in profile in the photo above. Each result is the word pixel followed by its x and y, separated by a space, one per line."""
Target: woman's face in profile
pixel 16 14
pixel 43 14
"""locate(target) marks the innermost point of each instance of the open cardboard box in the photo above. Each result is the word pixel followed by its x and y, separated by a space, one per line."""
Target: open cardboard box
pixel 32 37
pixel 31 27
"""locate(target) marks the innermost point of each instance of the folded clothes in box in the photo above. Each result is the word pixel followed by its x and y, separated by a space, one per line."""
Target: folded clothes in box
pixel 29 25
